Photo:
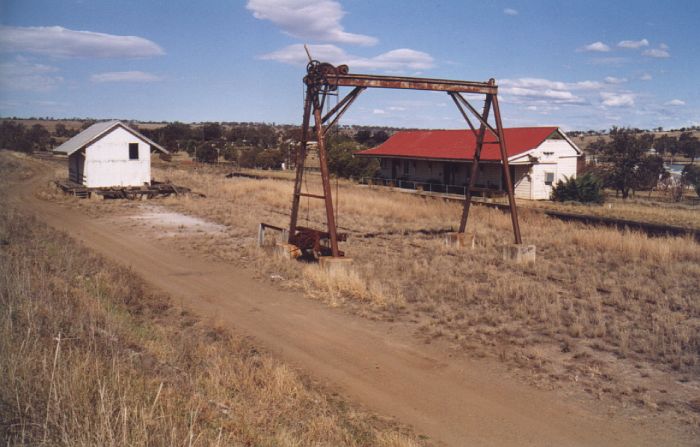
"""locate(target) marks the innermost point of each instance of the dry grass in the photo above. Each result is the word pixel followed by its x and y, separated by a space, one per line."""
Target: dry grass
pixel 683 214
pixel 90 356
pixel 611 312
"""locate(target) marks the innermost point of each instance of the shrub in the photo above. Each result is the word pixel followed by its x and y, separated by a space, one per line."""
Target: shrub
pixel 691 176
pixel 586 189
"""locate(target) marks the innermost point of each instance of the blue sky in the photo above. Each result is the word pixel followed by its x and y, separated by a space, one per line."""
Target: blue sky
pixel 577 64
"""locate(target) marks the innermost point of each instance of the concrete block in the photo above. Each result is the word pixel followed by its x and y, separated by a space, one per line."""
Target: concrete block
pixel 519 253
pixel 268 237
pixel 332 265
pixel 96 196
pixel 460 240
pixel 287 251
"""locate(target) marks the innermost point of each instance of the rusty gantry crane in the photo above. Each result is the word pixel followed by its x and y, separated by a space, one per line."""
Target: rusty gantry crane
pixel 323 79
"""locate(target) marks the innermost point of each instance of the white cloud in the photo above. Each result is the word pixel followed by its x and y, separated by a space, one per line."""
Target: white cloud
pixel 663 46
pixel 617 99
pixel 545 95
pixel 546 91
pixel 124 76
pixel 660 53
pixel 510 12
pixel 614 80
pixel 646 77
pixel 317 20
pixel 634 44
pixel 378 111
pixel 539 83
pixel 394 60
pixel 23 74
pixel 596 47
pixel 397 108
pixel 57 41
pixel 675 102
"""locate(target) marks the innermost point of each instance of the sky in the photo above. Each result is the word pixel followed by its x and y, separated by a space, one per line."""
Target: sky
pixel 575 64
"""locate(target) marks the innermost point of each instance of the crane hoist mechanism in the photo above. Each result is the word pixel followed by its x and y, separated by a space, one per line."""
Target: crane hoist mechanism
pixel 323 80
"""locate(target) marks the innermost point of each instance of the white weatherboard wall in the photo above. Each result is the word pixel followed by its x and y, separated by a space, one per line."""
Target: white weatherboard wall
pixel 555 156
pixel 107 161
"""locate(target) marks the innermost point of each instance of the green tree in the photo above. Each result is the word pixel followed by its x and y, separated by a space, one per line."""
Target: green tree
pixel 207 153
pixel 39 137
pixel 13 136
pixel 665 144
pixel 691 176
pixel 343 163
pixel 689 145
pixel 212 131
pixel 623 154
pixel 649 170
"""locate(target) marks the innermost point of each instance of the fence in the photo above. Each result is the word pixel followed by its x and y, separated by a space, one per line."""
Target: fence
pixel 420 186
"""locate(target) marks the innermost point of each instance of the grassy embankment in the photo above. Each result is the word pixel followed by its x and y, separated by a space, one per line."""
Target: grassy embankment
pixel 90 356
pixel 614 312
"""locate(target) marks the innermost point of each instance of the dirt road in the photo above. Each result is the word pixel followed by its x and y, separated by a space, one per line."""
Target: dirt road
pixel 454 401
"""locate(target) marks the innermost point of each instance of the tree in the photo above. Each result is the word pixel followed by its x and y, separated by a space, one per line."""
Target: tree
pixel 207 153
pixel 623 154
pixel 13 136
pixel 269 159
pixel 363 136
pixel 691 176
pixel 39 137
pixel 665 144
pixel 343 163
pixel 211 131
pixel 61 130
pixel 689 145
pixel 648 172
pixel 173 135
pixel 379 137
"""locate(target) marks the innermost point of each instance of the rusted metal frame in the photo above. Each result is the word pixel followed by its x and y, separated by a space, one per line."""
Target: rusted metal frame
pixel 461 110
pixel 325 180
pixel 301 158
pixel 408 83
pixel 349 97
pixel 313 196
pixel 483 121
pixel 506 171
pixel 355 93
pixel 475 163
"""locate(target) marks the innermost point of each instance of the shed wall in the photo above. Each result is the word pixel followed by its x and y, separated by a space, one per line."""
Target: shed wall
pixel 107 161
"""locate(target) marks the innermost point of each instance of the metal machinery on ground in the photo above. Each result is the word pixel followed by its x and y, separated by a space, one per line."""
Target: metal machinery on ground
pixel 323 79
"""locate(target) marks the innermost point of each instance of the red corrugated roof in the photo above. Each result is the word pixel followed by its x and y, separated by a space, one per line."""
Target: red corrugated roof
pixel 457 144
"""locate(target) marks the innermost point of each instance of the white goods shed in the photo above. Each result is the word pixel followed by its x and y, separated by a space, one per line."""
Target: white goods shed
pixel 538 158
pixel 109 154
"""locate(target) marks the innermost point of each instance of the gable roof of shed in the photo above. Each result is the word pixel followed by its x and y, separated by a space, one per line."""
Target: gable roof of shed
pixel 97 131
pixel 458 144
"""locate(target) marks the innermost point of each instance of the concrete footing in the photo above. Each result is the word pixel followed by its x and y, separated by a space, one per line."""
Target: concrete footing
pixel 460 240
pixel 332 265
pixel 269 237
pixel 519 253
pixel 287 251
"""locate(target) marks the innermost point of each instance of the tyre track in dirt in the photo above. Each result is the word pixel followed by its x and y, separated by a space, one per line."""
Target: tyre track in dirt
pixel 454 401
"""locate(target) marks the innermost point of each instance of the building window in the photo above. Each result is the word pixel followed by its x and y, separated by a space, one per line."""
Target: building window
pixel 382 163
pixel 548 178
pixel 405 167
pixel 133 151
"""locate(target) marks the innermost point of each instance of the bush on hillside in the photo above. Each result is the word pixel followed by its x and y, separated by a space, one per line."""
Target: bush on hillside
pixel 691 176
pixel 586 188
